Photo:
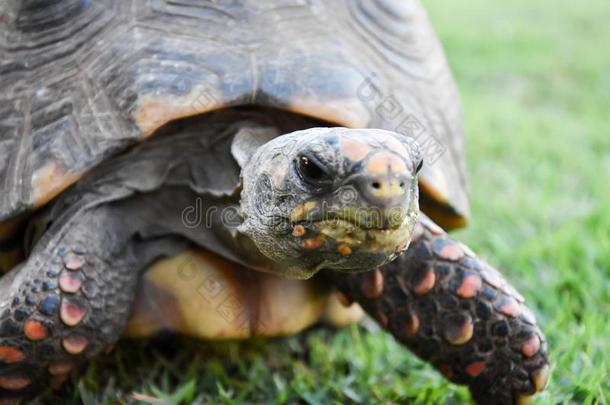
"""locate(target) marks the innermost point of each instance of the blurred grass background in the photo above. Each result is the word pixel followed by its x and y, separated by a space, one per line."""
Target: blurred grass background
pixel 535 84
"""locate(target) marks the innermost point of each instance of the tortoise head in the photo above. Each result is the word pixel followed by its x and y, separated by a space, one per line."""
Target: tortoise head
pixel 335 198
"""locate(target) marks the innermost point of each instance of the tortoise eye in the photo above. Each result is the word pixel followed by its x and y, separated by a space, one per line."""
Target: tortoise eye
pixel 419 166
pixel 310 170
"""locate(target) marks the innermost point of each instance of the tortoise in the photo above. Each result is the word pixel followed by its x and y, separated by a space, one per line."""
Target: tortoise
pixel 226 169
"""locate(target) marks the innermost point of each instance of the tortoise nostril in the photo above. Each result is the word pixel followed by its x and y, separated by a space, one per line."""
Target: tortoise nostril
pixel 401 184
pixel 376 185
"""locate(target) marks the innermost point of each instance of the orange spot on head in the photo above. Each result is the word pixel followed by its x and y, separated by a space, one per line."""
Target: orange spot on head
pixel 313 243
pixel 298 231
pixel 372 284
pixel 71 313
pixel 344 249
pixel 471 284
pixel 354 149
pixel 426 284
pixel 383 163
pixel 35 330
pixel 14 383
pixel 475 368
pixel 75 344
pixel 10 354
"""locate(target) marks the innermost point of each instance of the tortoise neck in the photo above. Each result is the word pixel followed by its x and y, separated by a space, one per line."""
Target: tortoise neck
pixel 32 15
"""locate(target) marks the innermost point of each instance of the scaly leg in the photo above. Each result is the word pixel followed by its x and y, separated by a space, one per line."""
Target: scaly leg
pixel 458 313
pixel 70 299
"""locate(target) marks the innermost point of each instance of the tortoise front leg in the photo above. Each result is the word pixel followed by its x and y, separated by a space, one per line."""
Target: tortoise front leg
pixel 69 300
pixel 458 313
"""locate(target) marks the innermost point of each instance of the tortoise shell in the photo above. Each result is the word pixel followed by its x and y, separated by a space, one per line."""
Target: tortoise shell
pixel 81 81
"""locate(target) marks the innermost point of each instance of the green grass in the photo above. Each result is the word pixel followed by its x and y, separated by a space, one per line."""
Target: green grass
pixel 535 84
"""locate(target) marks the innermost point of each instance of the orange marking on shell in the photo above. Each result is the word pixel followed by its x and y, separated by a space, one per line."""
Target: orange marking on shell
pixel 75 344
pixel 471 284
pixel 346 302
pixel 11 355
pixel 475 368
pixel 35 330
pixel 384 163
pixel 344 249
pixel 541 377
pixel 353 149
pixel 57 381
pixel 298 231
pixel 14 383
pixel 50 180
pixel 413 326
pixel 452 252
pixel 313 243
pixel 372 284
pixel 69 283
pixel 459 336
pixel 531 347
pixel 60 367
pixel 71 313
pixel 510 307
pixel 426 284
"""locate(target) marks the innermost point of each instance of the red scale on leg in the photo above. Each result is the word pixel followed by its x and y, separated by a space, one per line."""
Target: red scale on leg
pixel 70 282
pixel 508 306
pixel 447 249
pixel 35 330
pixel 75 344
pixel 426 283
pixel 11 355
pixel 458 329
pixel 14 383
pixel 60 367
pixel 475 368
pixel 531 347
pixel 71 312
pixel 73 262
pixel 470 286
